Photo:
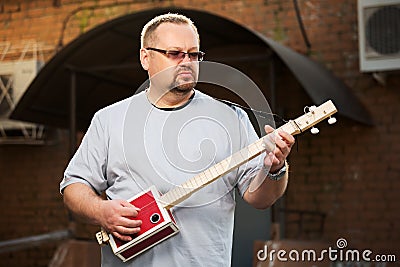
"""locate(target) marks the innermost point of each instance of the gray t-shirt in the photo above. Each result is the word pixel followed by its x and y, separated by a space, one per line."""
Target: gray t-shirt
pixel 132 145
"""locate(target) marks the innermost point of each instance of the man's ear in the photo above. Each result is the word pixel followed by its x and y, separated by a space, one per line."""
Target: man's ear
pixel 144 58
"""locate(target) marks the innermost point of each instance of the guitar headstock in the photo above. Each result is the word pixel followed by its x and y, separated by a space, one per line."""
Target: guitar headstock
pixel 313 116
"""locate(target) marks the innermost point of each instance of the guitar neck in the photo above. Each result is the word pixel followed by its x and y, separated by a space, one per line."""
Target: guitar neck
pixel 293 127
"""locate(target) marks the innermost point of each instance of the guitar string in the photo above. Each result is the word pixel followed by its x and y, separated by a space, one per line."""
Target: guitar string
pixel 261 114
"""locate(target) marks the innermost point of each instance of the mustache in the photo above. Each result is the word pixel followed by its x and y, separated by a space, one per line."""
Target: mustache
pixel 185 68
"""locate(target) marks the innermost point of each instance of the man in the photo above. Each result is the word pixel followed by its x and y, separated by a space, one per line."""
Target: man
pixel 164 136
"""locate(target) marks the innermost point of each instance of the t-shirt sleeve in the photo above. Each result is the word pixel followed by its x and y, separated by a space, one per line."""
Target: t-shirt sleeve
pixel 88 165
pixel 249 170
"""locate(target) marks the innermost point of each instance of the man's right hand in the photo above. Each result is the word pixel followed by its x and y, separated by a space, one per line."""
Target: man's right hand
pixel 116 217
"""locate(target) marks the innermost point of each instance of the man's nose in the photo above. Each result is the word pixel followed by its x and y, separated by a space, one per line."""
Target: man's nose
pixel 186 58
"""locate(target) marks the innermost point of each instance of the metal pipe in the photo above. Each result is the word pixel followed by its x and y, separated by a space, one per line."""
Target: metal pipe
pixel 72 114
pixel 32 241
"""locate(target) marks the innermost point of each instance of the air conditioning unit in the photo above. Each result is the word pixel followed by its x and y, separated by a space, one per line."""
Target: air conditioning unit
pixel 15 77
pixel 379 35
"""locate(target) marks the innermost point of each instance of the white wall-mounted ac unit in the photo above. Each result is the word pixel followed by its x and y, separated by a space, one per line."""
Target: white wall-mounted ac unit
pixel 15 77
pixel 379 35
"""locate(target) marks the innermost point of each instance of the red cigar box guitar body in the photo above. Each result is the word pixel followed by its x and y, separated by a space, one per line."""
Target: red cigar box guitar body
pixel 158 223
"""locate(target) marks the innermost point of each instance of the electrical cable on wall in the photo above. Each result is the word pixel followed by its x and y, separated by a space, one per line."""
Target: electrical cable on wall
pixel 301 25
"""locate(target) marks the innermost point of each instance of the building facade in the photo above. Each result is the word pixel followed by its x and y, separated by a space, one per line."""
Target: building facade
pixel 350 172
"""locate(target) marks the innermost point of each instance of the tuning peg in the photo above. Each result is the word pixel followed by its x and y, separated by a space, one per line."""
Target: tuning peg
pixel 332 120
pixel 312 108
pixel 309 109
pixel 314 130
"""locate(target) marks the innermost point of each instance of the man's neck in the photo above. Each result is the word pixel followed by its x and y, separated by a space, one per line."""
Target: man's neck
pixel 170 99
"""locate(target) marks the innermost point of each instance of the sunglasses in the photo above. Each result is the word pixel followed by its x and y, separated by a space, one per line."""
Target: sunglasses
pixel 179 55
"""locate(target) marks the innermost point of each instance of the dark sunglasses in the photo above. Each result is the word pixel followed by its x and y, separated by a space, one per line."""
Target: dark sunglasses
pixel 179 55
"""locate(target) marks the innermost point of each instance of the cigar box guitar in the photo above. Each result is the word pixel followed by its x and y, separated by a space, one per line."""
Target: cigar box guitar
pixel 158 223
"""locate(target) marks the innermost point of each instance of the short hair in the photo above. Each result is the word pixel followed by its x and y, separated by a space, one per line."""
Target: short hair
pixel 147 36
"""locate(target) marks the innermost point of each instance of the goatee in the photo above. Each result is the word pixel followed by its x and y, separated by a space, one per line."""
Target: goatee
pixel 183 87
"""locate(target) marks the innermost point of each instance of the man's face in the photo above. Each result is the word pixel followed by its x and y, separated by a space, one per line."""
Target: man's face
pixel 178 73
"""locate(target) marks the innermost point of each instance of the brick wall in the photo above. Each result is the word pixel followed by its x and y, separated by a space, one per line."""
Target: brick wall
pixel 349 171
pixel 29 200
